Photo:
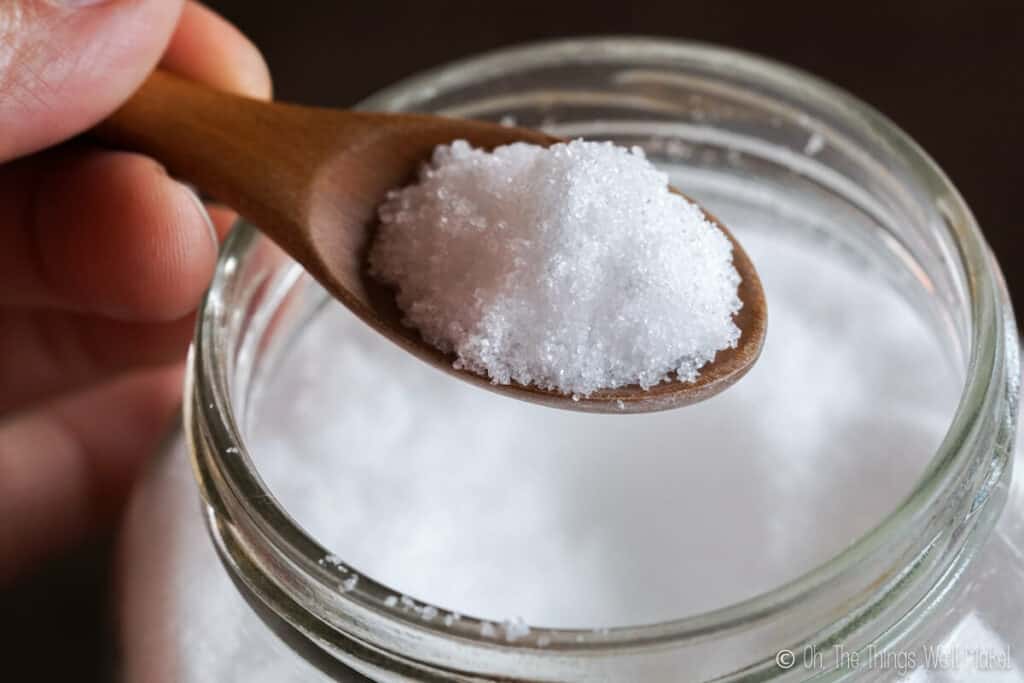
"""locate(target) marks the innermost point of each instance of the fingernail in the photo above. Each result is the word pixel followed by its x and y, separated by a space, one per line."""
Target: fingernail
pixel 212 231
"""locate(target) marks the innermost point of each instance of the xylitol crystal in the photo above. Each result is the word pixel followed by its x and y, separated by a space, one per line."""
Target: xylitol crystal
pixel 571 267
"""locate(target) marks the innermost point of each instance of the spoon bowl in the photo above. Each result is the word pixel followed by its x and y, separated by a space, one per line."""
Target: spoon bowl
pixel 311 179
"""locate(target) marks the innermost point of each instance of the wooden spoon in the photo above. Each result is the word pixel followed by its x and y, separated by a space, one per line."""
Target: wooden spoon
pixel 312 179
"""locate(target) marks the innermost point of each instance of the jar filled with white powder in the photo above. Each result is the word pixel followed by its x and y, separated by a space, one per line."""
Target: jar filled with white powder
pixel 829 517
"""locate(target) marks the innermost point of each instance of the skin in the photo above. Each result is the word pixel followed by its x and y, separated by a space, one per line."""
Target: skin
pixel 103 258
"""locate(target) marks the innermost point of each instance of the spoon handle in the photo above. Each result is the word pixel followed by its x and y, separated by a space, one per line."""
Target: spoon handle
pixel 240 151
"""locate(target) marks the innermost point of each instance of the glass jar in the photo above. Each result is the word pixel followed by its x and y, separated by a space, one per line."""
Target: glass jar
pixel 721 119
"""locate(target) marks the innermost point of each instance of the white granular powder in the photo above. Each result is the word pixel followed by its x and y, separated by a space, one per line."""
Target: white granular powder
pixel 572 267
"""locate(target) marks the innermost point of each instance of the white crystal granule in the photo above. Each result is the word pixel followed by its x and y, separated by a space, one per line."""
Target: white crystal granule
pixel 571 267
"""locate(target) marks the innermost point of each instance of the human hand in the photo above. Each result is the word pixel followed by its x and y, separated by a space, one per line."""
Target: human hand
pixel 103 257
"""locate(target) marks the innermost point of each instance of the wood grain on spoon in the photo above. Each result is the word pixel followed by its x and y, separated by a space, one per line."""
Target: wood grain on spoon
pixel 311 179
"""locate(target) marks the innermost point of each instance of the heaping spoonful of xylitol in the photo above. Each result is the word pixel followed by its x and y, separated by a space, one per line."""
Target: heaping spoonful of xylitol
pixel 564 273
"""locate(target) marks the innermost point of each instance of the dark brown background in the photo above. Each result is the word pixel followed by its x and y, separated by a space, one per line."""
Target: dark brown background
pixel 947 71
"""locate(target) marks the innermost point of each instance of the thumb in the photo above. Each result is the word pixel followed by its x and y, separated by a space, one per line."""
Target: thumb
pixel 67 64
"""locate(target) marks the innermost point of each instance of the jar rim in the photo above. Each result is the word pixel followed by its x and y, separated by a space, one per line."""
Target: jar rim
pixel 988 328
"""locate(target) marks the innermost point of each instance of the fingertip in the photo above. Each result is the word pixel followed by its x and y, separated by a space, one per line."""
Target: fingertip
pixel 206 47
pixel 118 237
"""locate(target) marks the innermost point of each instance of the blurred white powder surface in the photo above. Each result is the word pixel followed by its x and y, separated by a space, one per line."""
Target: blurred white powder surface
pixel 500 509
pixel 571 267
